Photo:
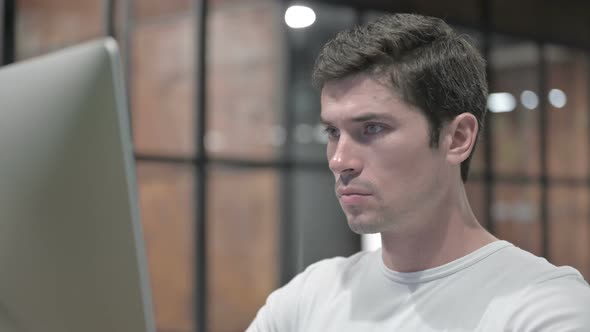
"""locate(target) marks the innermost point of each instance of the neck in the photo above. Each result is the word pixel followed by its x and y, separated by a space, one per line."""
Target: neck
pixel 435 238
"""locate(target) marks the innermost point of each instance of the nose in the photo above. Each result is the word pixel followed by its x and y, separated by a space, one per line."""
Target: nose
pixel 344 159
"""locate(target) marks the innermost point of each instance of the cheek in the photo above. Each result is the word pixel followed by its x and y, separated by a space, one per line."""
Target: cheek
pixel 405 169
pixel 406 158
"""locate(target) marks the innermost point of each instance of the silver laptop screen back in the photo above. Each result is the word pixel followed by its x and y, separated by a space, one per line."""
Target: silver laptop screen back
pixel 71 246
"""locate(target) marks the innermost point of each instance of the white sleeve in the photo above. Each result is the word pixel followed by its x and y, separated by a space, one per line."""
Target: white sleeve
pixel 560 304
pixel 281 310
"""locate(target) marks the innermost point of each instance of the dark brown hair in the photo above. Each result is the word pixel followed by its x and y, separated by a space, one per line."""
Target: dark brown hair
pixel 425 61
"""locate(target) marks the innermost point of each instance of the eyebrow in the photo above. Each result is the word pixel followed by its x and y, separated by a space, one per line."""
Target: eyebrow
pixel 362 118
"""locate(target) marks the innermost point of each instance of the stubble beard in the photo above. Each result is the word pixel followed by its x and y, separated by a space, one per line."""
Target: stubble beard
pixel 363 224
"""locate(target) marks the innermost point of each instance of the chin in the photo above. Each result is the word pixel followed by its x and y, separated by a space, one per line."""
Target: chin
pixel 364 226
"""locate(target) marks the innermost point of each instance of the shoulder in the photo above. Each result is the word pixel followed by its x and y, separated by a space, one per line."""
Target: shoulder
pixel 531 294
pixel 328 277
pixel 518 269
pixel 557 301
pixel 285 307
pixel 341 266
pixel 549 298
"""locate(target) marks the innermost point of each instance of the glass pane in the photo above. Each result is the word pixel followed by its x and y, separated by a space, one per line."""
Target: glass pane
pixel 515 214
pixel 541 20
pixel 46 25
pixel 570 228
pixel 513 106
pixel 308 140
pixel 166 193
pixel 475 37
pixel 476 167
pixel 243 231
pixel 567 107
pixel 244 81
pixel 463 11
pixel 162 87
pixel 476 194
pixel 150 9
pixel 323 229
pixel 371 15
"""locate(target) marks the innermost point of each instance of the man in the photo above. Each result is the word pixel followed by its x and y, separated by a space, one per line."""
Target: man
pixel 403 100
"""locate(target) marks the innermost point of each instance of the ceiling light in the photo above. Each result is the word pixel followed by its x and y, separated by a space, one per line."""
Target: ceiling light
pixel 529 99
pixel 557 98
pixel 501 102
pixel 298 17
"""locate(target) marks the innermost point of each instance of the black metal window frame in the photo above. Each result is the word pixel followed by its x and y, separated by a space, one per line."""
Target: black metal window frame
pixel 8 31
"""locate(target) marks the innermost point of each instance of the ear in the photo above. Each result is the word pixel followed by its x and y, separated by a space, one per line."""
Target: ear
pixel 461 135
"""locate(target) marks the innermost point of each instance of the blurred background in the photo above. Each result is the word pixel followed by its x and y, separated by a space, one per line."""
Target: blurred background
pixel 235 193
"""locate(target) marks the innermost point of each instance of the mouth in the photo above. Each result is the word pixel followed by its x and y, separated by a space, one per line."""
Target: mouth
pixel 341 191
pixel 353 198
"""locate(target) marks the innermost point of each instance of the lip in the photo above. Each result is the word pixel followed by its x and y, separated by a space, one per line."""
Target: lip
pixel 351 196
pixel 351 192
pixel 353 199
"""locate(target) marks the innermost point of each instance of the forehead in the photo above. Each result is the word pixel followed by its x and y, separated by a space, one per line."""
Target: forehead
pixel 356 95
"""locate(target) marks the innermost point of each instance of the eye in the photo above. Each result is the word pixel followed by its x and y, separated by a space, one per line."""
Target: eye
pixel 333 133
pixel 373 129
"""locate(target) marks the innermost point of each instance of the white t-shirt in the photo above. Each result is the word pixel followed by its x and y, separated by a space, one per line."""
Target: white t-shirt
pixel 496 288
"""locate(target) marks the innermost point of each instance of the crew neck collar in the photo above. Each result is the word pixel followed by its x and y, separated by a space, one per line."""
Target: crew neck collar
pixel 443 270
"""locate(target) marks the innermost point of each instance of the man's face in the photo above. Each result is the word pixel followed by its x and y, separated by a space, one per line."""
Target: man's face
pixel 378 150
